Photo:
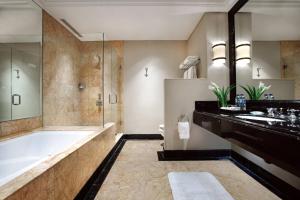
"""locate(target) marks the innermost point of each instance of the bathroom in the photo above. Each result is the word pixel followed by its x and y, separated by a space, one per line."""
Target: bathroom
pixel 113 100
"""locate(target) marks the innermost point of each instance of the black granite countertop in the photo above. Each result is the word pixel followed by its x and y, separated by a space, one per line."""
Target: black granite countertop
pixel 288 127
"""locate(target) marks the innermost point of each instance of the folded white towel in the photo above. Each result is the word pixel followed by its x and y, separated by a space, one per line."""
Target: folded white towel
pixel 189 61
pixel 184 130
pixel 197 186
pixel 192 72
pixel 185 74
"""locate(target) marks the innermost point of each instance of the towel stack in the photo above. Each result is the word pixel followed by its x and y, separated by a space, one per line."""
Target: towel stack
pixel 190 73
pixel 190 67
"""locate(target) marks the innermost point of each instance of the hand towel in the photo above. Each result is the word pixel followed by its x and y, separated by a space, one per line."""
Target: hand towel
pixel 184 130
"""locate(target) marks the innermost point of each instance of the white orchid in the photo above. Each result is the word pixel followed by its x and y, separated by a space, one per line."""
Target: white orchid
pixel 263 86
pixel 255 93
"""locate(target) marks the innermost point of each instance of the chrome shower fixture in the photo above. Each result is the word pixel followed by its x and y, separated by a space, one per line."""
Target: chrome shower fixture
pixel 18 73
pixel 146 72
pixel 258 71
pixel 81 86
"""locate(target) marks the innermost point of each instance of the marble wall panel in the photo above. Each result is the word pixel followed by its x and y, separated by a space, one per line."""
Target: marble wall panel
pixel 16 127
pixel 61 57
pixel 290 56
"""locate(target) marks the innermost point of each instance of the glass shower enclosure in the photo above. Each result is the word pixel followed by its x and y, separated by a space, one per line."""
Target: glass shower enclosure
pixel 113 83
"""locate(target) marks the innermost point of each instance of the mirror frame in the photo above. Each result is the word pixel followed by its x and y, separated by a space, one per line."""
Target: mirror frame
pixel 231 40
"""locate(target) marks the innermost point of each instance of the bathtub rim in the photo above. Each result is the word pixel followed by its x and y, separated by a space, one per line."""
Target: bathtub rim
pixel 20 181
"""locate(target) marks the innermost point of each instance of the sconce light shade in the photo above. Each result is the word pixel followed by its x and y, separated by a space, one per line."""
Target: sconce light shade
pixel 219 53
pixel 243 54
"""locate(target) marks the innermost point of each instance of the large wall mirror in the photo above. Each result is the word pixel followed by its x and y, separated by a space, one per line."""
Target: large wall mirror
pixel 267 48
pixel 20 60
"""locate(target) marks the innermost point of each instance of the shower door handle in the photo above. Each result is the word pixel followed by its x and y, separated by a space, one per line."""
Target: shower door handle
pixel 113 100
pixel 16 99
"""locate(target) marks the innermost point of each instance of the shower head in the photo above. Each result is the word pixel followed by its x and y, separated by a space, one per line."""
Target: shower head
pixel 97 61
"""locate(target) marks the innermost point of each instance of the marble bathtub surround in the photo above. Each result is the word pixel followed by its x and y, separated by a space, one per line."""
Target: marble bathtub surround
pixel 139 175
pixel 14 128
pixel 67 62
pixel 63 175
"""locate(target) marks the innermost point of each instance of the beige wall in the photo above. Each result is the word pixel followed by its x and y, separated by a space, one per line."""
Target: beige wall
pixel 180 95
pixel 212 28
pixel 143 97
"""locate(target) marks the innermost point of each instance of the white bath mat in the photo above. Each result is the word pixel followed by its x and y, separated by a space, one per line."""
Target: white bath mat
pixel 196 186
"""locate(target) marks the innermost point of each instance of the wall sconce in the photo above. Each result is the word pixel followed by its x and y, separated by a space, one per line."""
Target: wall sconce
pixel 219 53
pixel 243 54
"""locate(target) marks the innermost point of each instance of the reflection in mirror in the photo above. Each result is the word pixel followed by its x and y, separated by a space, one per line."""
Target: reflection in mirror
pixel 270 36
pixel 20 60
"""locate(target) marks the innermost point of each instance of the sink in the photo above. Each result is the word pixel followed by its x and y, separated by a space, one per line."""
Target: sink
pixel 266 119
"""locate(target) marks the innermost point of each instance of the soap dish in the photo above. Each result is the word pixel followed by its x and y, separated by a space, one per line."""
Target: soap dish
pixel 232 108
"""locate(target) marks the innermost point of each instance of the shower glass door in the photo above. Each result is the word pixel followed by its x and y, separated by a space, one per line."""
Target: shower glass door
pixel 5 83
pixel 113 84
pixel 26 87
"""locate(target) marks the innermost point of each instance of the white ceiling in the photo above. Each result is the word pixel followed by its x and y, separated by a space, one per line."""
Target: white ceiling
pixel 134 19
pixel 20 22
pixel 150 19
pixel 274 20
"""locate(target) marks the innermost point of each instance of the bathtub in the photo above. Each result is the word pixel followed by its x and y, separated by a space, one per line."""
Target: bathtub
pixel 20 154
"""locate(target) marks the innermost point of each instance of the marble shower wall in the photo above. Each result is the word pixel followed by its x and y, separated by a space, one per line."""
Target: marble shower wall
pixel 113 83
pixel 91 76
pixel 290 56
pixel 68 62
pixel 61 58
pixel 91 73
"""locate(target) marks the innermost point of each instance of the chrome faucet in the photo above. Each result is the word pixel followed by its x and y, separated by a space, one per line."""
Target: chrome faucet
pixel 281 115
pixel 292 115
pixel 271 112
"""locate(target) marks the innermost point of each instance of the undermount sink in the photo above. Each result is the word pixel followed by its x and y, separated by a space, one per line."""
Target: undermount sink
pixel 266 119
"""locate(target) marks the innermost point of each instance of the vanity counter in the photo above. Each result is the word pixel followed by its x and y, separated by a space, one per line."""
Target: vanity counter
pixel 276 143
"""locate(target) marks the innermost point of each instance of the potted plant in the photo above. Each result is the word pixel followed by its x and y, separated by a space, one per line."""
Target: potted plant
pixel 221 93
pixel 255 93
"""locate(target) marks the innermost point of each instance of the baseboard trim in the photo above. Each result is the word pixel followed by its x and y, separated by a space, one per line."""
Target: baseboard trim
pixel 274 184
pixel 143 137
pixel 179 155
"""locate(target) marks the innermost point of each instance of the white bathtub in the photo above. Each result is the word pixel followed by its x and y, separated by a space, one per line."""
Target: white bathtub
pixel 23 153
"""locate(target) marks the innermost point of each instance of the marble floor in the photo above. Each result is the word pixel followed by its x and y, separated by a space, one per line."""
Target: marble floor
pixel 138 175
